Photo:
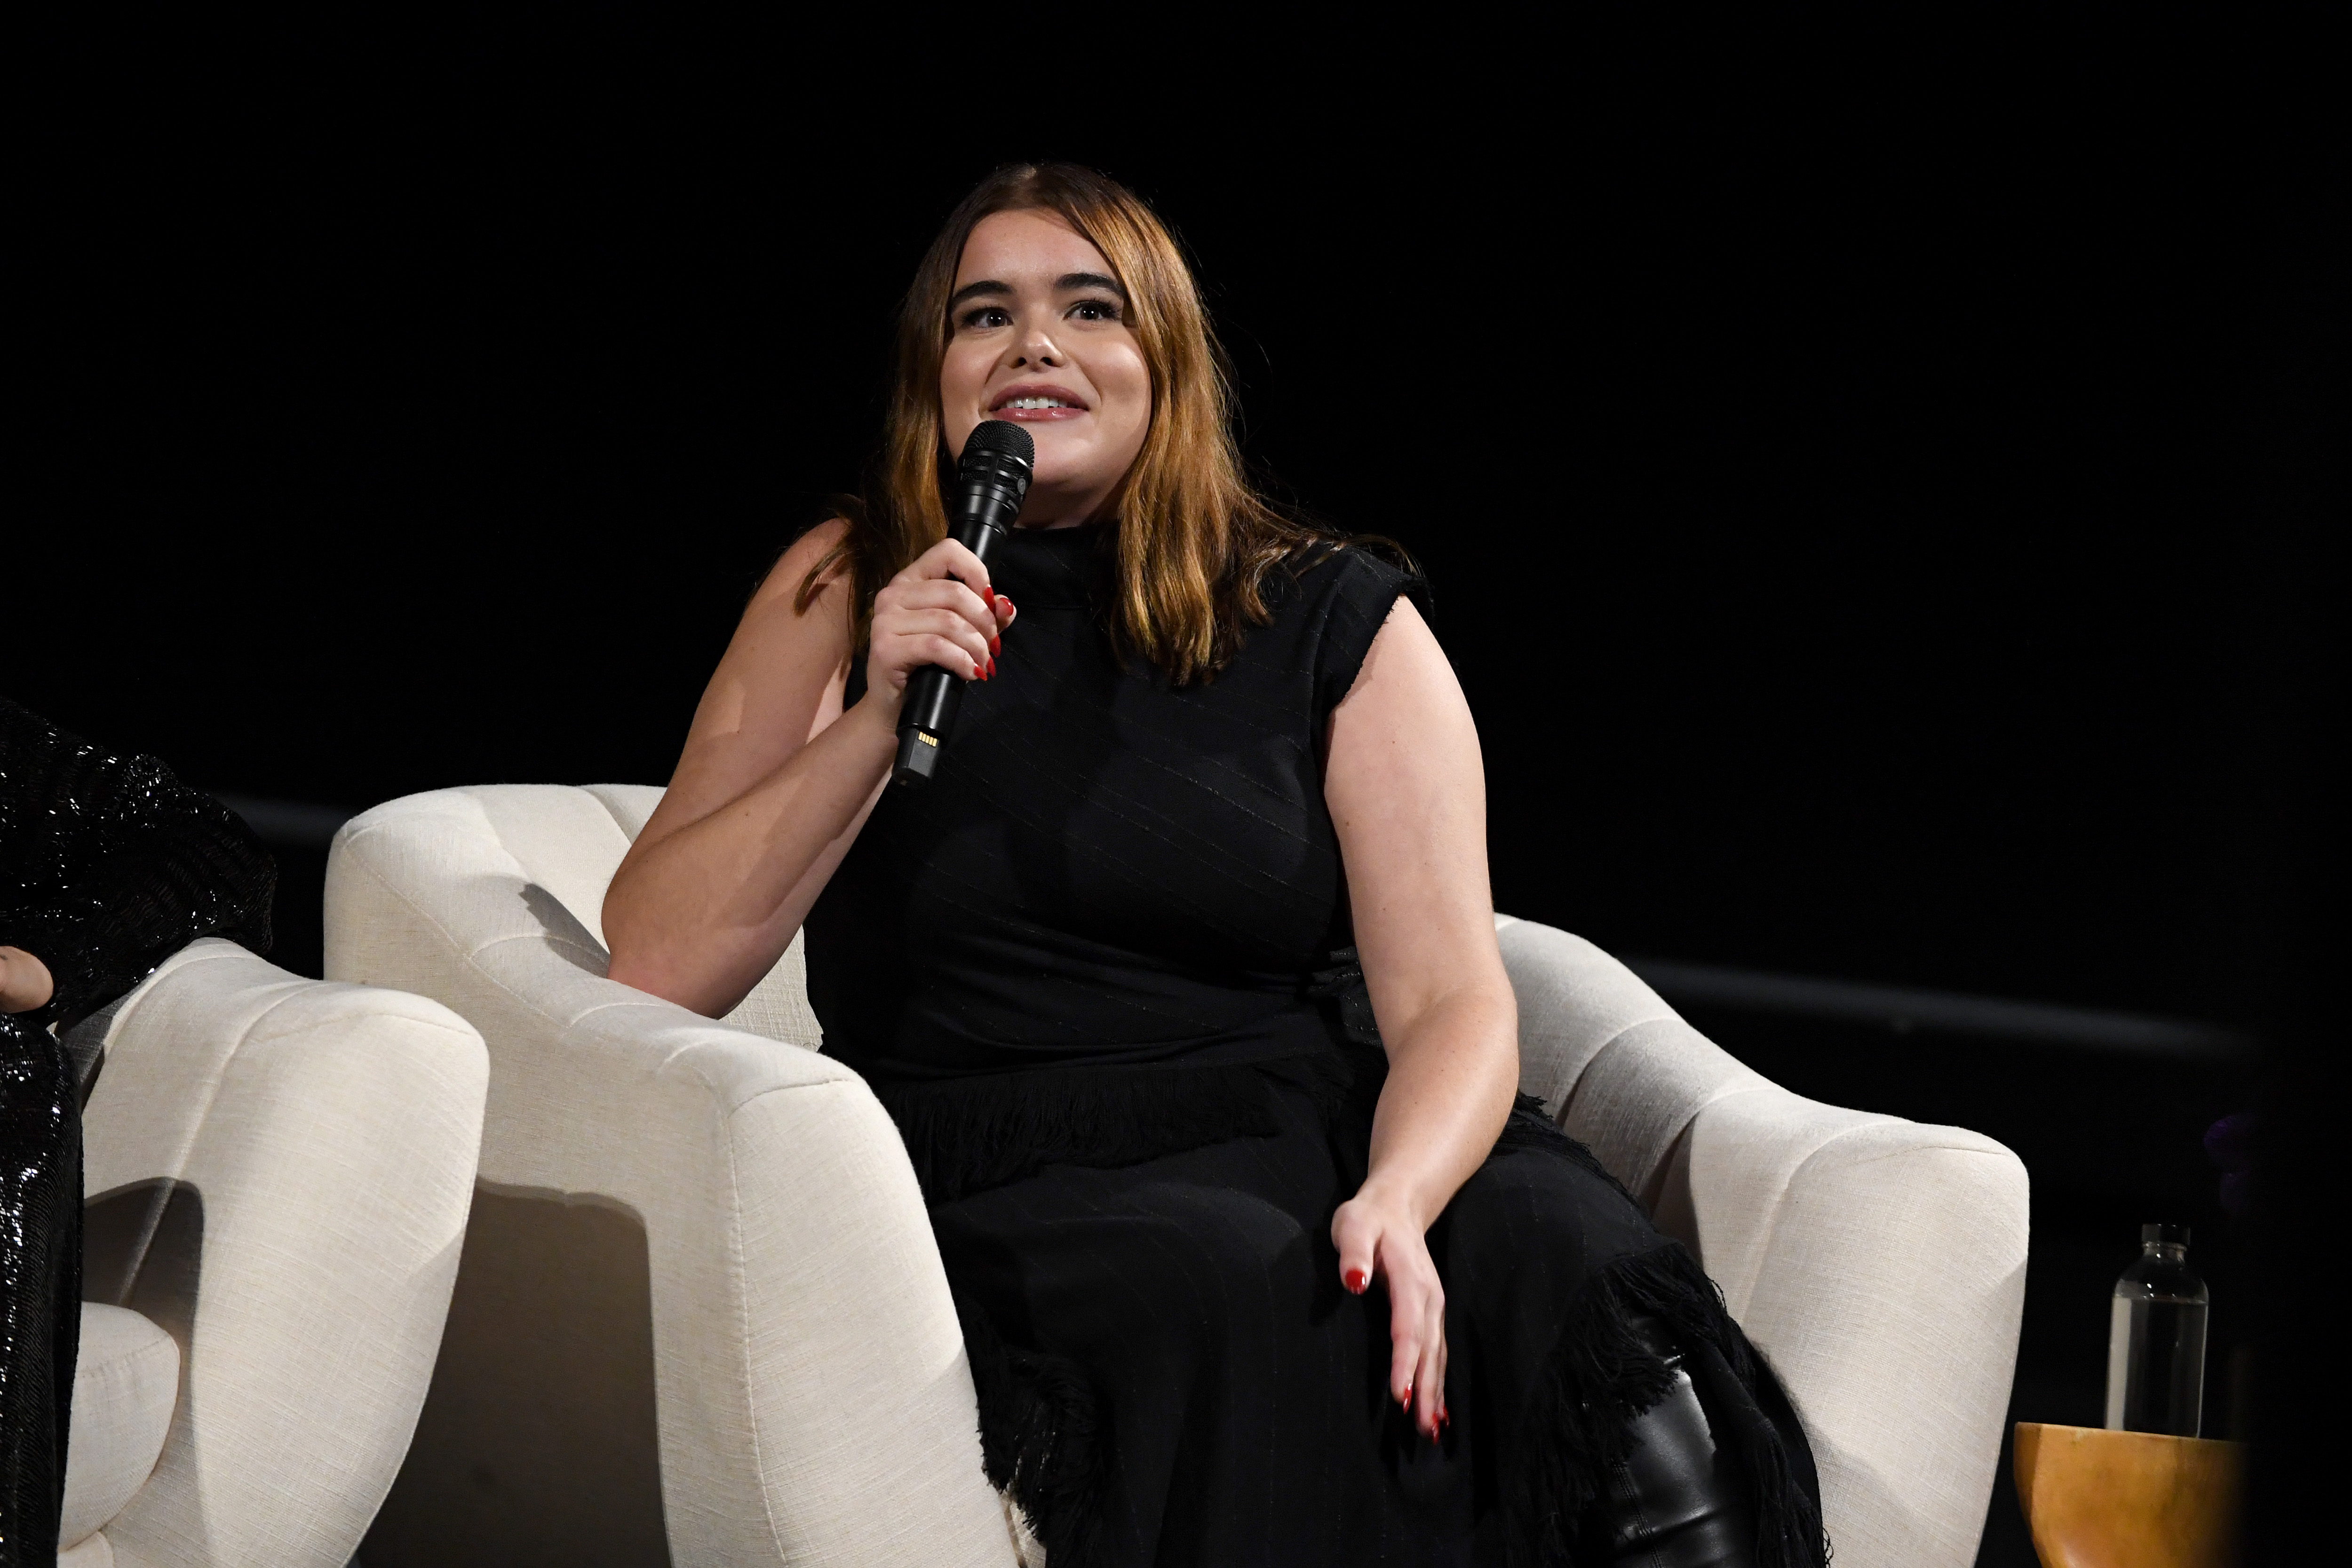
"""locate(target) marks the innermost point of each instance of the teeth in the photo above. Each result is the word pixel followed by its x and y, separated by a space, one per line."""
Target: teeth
pixel 1038 403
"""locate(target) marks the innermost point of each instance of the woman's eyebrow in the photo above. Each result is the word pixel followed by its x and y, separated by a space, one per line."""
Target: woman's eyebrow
pixel 1065 282
pixel 985 286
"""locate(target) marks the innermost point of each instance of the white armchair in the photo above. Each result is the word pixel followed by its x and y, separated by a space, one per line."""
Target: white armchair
pixel 277 1173
pixel 807 1376
pixel 747 1195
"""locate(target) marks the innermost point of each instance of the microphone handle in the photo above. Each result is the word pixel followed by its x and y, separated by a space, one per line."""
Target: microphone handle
pixel 933 695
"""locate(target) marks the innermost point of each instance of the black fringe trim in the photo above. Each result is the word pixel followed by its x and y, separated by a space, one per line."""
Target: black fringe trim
pixel 1604 1375
pixel 967 1135
pixel 1530 1127
pixel 1040 1439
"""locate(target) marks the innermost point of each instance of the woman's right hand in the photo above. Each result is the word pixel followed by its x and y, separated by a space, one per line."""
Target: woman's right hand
pixel 940 610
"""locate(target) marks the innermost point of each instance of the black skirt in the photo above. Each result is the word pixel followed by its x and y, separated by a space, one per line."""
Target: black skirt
pixel 1170 1373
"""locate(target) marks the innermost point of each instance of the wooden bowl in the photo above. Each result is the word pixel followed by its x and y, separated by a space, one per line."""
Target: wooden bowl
pixel 2128 1499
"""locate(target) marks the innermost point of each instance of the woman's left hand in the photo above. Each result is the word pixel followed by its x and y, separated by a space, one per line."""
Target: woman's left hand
pixel 1379 1240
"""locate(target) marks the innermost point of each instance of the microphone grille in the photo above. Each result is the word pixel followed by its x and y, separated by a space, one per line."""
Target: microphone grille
pixel 1000 438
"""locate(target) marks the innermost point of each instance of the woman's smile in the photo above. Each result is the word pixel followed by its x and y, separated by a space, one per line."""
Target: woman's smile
pixel 1030 401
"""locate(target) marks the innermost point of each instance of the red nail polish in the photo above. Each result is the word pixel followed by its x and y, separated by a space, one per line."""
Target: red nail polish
pixel 1356 1279
pixel 1405 1398
pixel 996 645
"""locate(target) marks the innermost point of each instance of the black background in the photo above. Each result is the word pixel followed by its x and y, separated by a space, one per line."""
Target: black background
pixel 1876 527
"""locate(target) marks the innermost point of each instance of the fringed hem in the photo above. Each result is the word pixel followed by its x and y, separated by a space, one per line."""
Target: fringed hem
pixel 967 1135
pixel 1602 1374
pixel 1530 1126
pixel 1041 1442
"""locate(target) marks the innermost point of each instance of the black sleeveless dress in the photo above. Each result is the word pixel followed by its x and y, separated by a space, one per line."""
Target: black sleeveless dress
pixel 1101 972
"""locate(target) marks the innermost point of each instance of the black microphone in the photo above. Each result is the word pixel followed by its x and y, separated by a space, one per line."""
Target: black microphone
pixel 991 479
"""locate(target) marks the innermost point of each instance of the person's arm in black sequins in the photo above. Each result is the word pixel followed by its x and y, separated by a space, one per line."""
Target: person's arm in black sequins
pixel 109 865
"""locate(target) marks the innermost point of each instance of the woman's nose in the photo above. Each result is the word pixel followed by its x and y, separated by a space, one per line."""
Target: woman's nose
pixel 1036 349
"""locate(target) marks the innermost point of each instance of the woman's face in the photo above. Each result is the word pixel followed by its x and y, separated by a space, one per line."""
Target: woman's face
pixel 1040 337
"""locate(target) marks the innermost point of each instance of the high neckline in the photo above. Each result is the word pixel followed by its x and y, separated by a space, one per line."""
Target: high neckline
pixel 1059 540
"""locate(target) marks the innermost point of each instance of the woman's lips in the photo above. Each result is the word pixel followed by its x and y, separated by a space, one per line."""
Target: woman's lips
pixel 1037 405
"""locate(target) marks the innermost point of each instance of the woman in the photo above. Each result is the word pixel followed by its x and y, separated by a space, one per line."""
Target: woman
pixel 108 866
pixel 1180 978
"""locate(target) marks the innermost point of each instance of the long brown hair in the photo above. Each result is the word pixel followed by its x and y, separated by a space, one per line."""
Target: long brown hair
pixel 1194 541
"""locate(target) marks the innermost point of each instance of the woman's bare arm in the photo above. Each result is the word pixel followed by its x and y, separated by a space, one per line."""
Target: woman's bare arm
pixel 1408 795
pixel 776 778
pixel 761 807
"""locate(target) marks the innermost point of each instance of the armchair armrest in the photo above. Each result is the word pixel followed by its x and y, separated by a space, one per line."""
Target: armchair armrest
pixel 1877 1263
pixel 1880 1264
pixel 278 1173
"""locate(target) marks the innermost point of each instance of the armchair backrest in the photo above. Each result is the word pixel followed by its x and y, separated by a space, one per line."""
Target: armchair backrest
pixel 556 848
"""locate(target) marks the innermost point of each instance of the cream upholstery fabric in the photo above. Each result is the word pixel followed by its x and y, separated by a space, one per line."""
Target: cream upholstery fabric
pixel 1880 1264
pixel 813 1399
pixel 125 1385
pixel 812 1393
pixel 93 1553
pixel 278 1173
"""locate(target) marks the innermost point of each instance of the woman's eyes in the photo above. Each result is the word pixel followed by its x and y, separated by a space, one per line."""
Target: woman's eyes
pixel 983 316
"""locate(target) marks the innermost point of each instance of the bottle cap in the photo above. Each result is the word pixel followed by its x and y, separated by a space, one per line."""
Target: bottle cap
pixel 2169 1234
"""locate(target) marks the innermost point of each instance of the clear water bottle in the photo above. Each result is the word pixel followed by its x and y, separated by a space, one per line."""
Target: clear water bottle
pixel 2156 1339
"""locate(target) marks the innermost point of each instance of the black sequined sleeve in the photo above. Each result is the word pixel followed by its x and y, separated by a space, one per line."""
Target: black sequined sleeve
pixel 109 865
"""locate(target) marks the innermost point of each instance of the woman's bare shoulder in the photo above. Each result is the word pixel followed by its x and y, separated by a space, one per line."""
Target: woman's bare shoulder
pixel 778 683
pixel 799 558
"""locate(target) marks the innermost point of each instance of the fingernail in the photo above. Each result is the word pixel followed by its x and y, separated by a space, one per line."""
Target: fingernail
pixel 1356 1279
pixel 996 645
pixel 1406 1397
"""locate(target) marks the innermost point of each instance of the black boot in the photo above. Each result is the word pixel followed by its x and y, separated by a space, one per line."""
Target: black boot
pixel 1678 1500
